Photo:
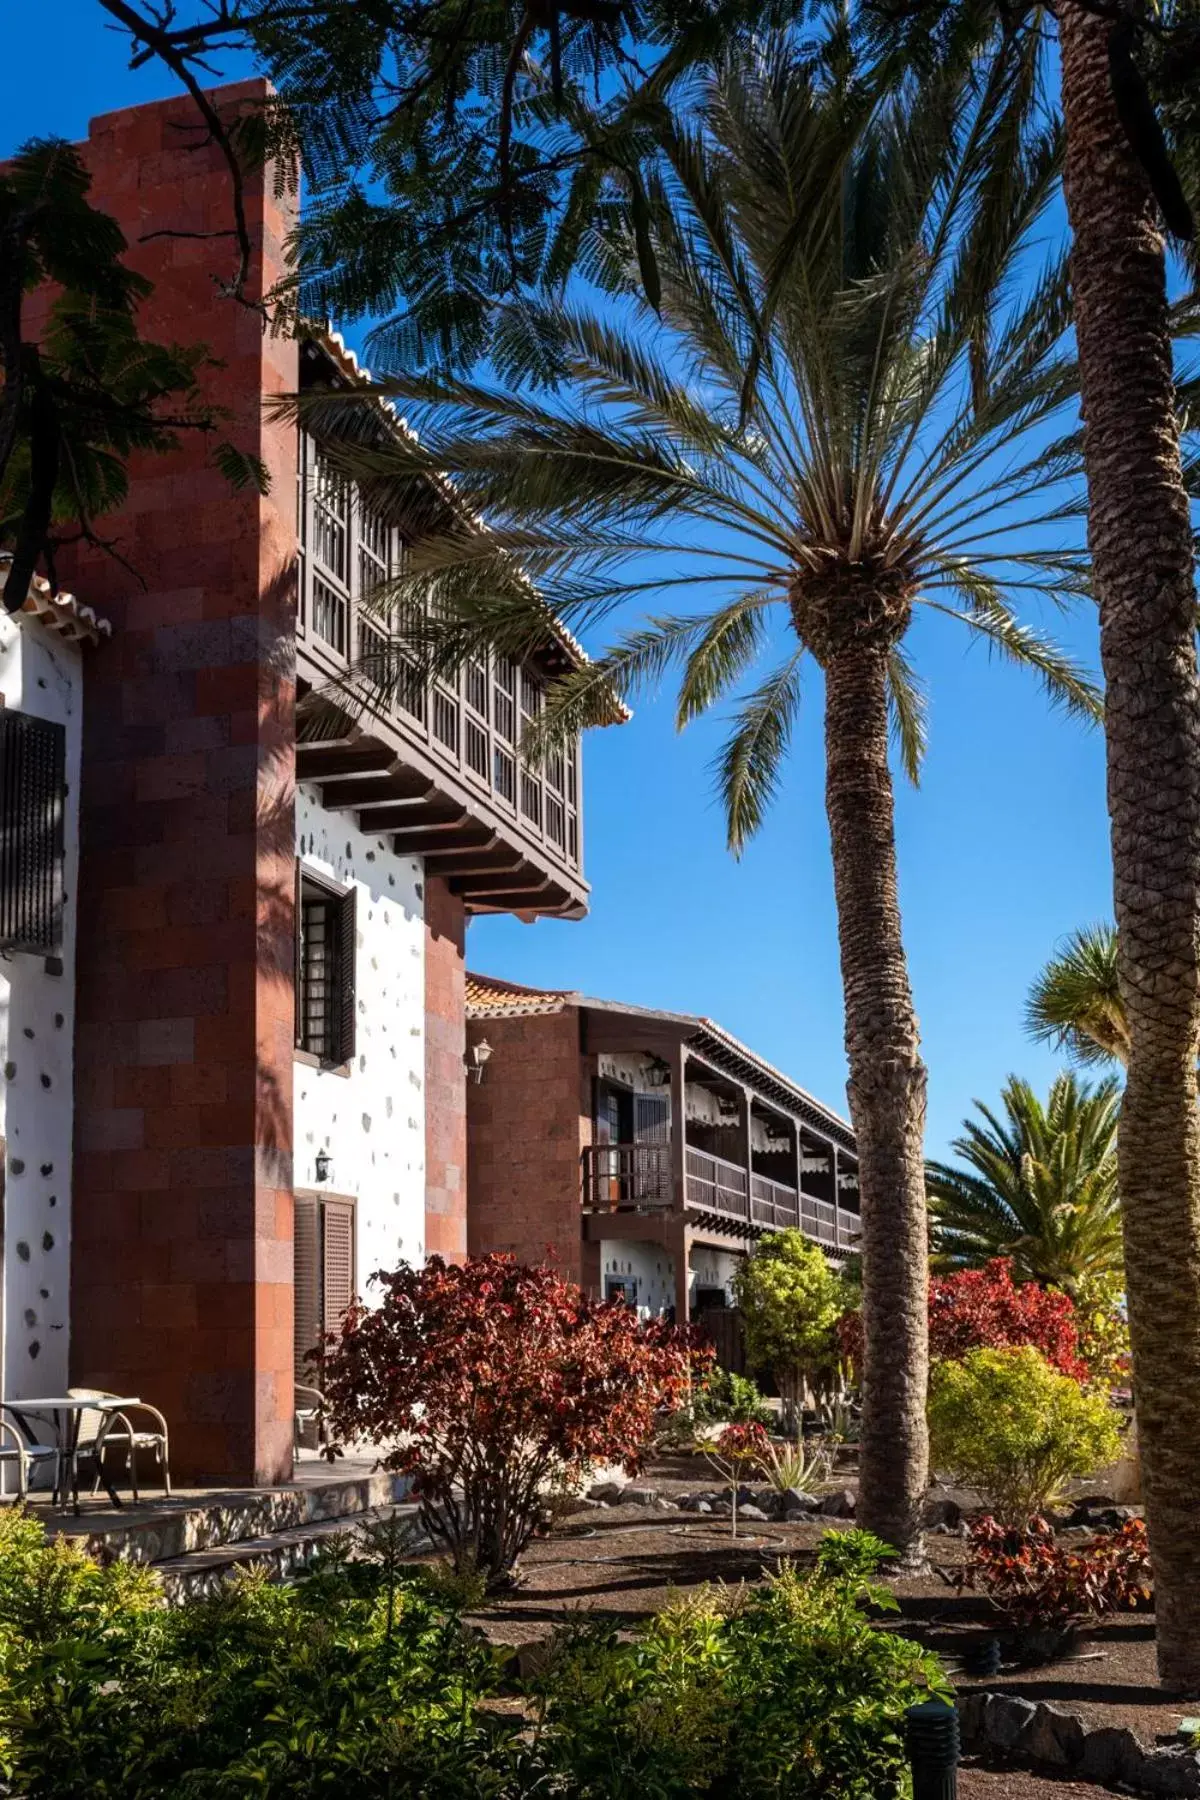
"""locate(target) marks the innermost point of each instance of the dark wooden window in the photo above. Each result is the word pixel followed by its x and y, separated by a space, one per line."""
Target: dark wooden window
pixel 325 997
pixel 32 799
pixel 325 1274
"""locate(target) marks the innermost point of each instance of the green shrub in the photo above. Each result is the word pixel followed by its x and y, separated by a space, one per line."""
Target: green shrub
pixel 791 1302
pixel 1007 1424
pixel 730 1399
pixel 784 1689
pixel 361 1679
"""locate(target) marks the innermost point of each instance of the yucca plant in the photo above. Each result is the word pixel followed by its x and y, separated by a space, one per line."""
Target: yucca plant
pixel 1037 1185
pixel 822 419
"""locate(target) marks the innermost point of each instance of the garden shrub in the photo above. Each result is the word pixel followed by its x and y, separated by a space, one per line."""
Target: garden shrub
pixel 784 1689
pixel 1104 1331
pixel 495 1382
pixel 360 1679
pixel 791 1302
pixel 985 1309
pixel 728 1398
pixel 1035 1581
pixel 353 1680
pixel 1009 1425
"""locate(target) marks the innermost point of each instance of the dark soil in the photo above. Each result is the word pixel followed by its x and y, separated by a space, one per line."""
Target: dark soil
pixel 978 1781
pixel 625 1562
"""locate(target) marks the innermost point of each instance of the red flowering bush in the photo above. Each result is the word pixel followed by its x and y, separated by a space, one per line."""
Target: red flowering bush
pixel 1037 1582
pixel 984 1309
pixel 490 1381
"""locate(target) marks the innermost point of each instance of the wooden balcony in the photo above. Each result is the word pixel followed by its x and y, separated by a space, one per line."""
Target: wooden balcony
pixel 626 1177
pixel 433 765
pixel 639 1178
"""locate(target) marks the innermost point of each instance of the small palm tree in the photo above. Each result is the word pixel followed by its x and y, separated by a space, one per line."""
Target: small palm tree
pixel 819 418
pixel 1075 1003
pixel 1039 1186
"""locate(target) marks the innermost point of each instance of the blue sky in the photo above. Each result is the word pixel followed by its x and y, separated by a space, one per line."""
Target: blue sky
pixel 1002 851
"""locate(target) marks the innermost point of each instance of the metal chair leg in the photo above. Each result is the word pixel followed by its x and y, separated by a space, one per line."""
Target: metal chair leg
pixel 133 1481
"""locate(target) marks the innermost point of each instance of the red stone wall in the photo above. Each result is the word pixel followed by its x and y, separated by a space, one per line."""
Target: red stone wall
pixel 445 1074
pixel 527 1123
pixel 182 1229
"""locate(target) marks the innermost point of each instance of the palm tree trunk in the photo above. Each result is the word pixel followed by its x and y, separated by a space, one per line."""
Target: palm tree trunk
pixel 1141 549
pixel 887 1097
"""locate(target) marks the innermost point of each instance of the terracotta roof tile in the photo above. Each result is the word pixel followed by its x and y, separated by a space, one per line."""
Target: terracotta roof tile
pixel 61 612
pixel 488 997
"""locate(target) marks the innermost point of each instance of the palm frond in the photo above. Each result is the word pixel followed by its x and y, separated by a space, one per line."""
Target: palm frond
pixel 748 767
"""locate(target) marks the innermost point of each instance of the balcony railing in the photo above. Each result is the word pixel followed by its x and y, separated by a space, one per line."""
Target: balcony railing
pixel 773 1203
pixel 717 1186
pixel 470 723
pixel 621 1176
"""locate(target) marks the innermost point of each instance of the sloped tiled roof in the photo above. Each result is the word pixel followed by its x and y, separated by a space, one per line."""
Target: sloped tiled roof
pixel 488 997
pixel 60 612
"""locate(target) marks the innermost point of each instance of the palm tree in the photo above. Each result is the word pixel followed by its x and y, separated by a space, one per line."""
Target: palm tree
pixel 1075 1003
pixel 1039 1186
pixel 822 420
pixel 1140 538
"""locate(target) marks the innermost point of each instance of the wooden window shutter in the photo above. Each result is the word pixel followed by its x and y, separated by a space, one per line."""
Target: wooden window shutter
pixel 651 1119
pixel 298 957
pixel 308 1284
pixel 338 1260
pixel 345 931
pixel 32 793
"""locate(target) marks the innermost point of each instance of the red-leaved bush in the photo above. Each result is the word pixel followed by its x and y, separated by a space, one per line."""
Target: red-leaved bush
pixel 1036 1581
pixel 487 1381
pixel 984 1309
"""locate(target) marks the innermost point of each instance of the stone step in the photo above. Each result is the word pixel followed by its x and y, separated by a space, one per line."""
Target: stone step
pixel 279 1555
pixel 167 1531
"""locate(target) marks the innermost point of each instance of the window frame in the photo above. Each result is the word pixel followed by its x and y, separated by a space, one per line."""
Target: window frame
pixel 342 1008
pixel 33 771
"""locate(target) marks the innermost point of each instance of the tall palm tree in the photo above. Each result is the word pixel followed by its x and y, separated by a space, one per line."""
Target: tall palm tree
pixel 1039 1186
pixel 1075 1003
pixel 1140 538
pixel 1139 531
pixel 822 423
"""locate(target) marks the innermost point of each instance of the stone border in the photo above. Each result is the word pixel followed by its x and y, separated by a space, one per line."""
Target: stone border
pixel 1052 1737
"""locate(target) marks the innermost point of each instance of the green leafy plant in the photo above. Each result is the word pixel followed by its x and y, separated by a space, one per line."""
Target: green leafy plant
pixel 1103 1326
pixel 1035 1184
pixel 1008 1424
pixel 791 1301
pixel 730 1399
pixel 786 1689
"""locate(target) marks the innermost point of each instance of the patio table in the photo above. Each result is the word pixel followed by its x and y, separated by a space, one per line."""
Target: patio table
pixel 67 1413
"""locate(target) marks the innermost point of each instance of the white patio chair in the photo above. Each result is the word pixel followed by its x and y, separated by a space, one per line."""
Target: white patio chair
pixel 101 1431
pixel 23 1454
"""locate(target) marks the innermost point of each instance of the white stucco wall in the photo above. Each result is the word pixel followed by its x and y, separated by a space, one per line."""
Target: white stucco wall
pixel 42 674
pixel 652 1267
pixel 371 1121
pixel 709 1269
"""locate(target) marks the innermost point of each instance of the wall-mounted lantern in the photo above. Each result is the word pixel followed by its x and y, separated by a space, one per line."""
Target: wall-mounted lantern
pixel 323 1165
pixel 477 1059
